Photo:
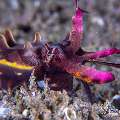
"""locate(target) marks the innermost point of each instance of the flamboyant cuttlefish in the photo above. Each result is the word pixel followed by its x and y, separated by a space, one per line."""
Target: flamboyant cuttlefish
pixel 58 62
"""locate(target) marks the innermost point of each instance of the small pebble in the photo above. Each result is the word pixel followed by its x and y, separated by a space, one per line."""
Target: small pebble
pixel 33 94
pixel 116 101
pixel 41 84
pixel 4 112
pixel 25 113
pixel 98 20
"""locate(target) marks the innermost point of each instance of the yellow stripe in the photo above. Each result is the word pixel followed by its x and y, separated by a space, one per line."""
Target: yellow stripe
pixel 86 79
pixel 15 65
